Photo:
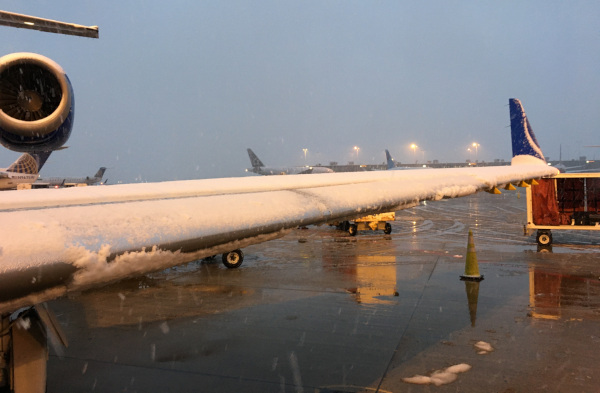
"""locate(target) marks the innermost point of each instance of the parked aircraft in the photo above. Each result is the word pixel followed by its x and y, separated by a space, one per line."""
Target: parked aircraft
pixel 24 170
pixel 86 237
pixel 70 181
pixel 391 164
pixel 260 168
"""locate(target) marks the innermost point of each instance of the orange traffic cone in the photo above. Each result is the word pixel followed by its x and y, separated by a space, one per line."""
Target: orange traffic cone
pixel 471 266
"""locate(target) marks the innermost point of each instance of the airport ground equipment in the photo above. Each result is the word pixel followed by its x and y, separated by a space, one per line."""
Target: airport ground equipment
pixel 568 201
pixel 371 222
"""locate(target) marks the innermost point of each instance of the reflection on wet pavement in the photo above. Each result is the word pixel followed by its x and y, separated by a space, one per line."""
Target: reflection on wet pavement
pixel 319 311
pixel 557 295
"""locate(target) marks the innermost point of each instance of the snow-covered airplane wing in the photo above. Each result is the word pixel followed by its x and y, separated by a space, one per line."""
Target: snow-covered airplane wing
pixel 55 241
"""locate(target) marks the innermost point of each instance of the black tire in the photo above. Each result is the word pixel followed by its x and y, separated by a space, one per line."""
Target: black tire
pixel 345 226
pixel 352 229
pixel 233 259
pixel 544 237
pixel 388 228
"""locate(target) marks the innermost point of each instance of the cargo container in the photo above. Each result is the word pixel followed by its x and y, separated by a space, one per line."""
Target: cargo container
pixel 568 201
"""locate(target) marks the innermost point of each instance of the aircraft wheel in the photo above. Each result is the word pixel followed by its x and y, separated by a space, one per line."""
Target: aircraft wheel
pixel 544 237
pixel 233 259
pixel 352 229
pixel 345 226
pixel 388 228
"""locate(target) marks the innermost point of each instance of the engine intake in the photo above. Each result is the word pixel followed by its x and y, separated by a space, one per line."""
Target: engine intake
pixel 36 103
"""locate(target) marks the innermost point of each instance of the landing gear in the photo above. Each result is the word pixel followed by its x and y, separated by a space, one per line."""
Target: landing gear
pixel 345 226
pixel 544 237
pixel 233 259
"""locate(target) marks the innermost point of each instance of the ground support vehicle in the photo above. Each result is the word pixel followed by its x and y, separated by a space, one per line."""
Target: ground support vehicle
pixel 371 222
pixel 568 201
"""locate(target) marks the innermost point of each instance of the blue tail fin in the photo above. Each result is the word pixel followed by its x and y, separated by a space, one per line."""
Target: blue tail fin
pixel 524 142
pixel 390 161
pixel 41 157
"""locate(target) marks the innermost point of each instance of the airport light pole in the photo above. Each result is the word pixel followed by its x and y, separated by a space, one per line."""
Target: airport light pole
pixel 476 146
pixel 305 151
pixel 414 149
pixel 356 148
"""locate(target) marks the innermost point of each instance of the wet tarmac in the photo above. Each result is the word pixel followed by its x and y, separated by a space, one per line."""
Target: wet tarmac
pixel 320 311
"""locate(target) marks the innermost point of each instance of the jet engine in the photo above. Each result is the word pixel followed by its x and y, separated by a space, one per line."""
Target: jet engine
pixel 36 103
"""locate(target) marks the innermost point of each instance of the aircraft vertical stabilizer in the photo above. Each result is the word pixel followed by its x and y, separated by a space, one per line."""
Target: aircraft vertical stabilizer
pixel 100 173
pixel 390 161
pixel 24 164
pixel 41 157
pixel 254 160
pixel 524 142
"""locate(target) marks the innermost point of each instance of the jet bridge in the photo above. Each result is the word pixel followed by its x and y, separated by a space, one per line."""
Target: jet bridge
pixel 568 201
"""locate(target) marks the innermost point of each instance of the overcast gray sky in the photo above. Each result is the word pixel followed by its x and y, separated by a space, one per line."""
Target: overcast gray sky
pixel 179 90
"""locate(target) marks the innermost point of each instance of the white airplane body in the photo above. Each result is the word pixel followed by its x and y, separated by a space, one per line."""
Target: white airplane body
pixel 71 181
pixel 259 168
pixel 11 180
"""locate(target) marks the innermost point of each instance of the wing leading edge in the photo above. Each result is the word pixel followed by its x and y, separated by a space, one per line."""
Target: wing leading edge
pixel 12 19
pixel 56 241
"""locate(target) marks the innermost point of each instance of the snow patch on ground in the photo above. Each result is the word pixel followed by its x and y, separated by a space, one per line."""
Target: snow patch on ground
pixel 439 377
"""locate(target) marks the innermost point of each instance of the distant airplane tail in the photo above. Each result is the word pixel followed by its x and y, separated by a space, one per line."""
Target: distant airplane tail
pixel 254 160
pixel 100 172
pixel 524 143
pixel 26 163
pixel 390 161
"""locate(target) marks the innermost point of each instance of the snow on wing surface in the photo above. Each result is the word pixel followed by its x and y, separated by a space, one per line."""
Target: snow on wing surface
pixel 95 235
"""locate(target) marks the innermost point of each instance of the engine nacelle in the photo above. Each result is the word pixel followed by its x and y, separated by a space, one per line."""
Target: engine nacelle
pixel 36 103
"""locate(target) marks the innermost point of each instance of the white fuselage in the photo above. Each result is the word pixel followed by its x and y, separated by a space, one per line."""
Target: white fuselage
pixel 295 170
pixel 10 180
pixel 68 181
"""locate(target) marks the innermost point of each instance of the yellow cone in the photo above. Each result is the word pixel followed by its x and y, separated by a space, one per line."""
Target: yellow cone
pixel 471 265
